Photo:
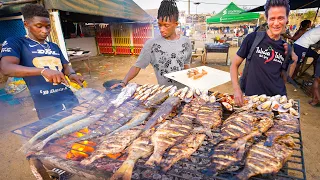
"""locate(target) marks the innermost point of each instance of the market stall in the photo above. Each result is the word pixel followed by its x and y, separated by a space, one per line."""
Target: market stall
pixel 158 132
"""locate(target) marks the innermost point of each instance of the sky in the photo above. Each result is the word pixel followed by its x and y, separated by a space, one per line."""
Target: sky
pixel 204 7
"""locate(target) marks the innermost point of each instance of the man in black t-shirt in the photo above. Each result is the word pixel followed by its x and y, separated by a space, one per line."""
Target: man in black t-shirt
pixel 268 59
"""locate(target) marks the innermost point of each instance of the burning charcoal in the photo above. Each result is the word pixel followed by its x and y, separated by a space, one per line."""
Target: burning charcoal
pixel 204 161
pixel 156 176
pixel 195 178
pixel 164 177
pixel 233 168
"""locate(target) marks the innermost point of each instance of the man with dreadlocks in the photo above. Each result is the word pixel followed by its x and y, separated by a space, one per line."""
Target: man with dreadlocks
pixel 167 53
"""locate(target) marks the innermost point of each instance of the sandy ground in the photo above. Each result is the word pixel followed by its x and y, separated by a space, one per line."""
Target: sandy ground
pixel 14 166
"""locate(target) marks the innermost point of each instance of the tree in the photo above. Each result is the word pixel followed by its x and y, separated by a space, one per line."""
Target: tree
pixel 309 15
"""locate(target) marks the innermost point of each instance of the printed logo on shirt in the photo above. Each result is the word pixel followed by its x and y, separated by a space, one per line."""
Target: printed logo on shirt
pixel 47 62
pixel 269 55
pixel 46 52
pixel 5 49
pixel 33 45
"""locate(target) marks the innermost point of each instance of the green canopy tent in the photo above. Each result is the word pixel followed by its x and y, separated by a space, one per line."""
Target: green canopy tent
pixel 232 14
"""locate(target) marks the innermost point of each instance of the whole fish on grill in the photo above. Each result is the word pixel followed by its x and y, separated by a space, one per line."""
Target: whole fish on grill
pixel 138 119
pixel 70 129
pixel 140 148
pixel 284 124
pixel 103 99
pixel 163 112
pixel 157 99
pixel 264 160
pixel 225 156
pixel 167 135
pixel 260 127
pixel 86 94
pixel 240 124
pixel 210 116
pixel 183 150
pixel 53 128
pixel 113 144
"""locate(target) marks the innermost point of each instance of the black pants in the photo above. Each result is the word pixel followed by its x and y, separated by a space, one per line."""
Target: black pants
pixel 46 112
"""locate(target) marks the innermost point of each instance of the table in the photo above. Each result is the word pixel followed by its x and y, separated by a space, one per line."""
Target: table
pixel 210 48
pixel 85 57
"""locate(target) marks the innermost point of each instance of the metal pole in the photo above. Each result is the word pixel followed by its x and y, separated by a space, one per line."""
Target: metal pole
pixel 189 7
pixel 315 18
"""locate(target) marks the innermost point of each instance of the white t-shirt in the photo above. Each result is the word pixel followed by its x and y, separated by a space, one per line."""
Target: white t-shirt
pixel 310 37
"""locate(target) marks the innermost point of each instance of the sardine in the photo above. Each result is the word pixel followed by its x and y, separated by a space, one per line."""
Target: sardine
pixel 157 99
pixel 163 112
pixel 183 150
pixel 70 129
pixel 112 144
pixel 140 148
pixel 172 90
pixel 53 128
pixel 166 89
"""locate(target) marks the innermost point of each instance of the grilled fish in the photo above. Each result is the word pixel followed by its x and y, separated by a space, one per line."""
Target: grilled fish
pixel 183 150
pixel 264 160
pixel 140 148
pixel 113 144
pixel 167 135
pixel 240 124
pixel 284 124
pixel 70 129
pixel 138 119
pixel 53 128
pixel 102 99
pixel 157 99
pixel 163 112
pixel 86 94
pixel 210 116
pixel 224 155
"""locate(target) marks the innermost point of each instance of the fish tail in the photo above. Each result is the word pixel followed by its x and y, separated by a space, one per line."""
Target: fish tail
pixel 25 147
pixel 125 171
pixel 216 140
pixel 40 145
pixel 154 159
pixel 167 163
pixel 243 175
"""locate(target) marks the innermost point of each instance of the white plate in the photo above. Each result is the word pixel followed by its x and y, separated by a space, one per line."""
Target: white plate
pixel 214 78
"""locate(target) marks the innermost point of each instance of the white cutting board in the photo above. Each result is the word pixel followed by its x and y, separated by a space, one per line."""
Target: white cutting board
pixel 215 77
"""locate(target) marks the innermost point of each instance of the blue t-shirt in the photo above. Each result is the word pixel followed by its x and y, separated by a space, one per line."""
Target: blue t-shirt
pixel 48 55
pixel 267 63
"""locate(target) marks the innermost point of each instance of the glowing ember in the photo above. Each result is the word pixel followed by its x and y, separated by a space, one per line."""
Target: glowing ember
pixel 79 150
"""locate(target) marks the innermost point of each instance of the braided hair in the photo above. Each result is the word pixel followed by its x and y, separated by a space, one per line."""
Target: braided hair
pixel 168 9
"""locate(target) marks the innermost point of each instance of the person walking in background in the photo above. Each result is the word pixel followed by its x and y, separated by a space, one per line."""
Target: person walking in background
pixel 304 27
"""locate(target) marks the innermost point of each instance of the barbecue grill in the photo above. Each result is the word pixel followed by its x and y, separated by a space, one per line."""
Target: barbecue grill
pixel 59 154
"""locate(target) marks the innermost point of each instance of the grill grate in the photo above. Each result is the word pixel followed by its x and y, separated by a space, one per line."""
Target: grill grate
pixel 194 168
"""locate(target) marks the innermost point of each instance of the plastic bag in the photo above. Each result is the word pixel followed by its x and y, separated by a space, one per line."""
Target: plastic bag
pixel 15 85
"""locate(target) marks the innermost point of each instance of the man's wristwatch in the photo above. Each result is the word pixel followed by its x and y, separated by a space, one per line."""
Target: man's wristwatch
pixel 123 83
pixel 71 74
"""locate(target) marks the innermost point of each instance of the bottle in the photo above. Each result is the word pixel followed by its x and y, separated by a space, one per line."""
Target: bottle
pixel 302 57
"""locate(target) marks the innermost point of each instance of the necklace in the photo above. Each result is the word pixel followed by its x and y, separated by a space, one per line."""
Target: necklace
pixel 46 47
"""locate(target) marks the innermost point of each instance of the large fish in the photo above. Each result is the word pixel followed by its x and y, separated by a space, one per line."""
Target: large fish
pixel 103 99
pixel 163 112
pixel 86 94
pixel 53 128
pixel 138 119
pixel 140 148
pixel 70 129
pixel 284 124
pixel 113 144
pixel 262 159
pixel 210 116
pixel 167 135
pixel 240 124
pixel 183 150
